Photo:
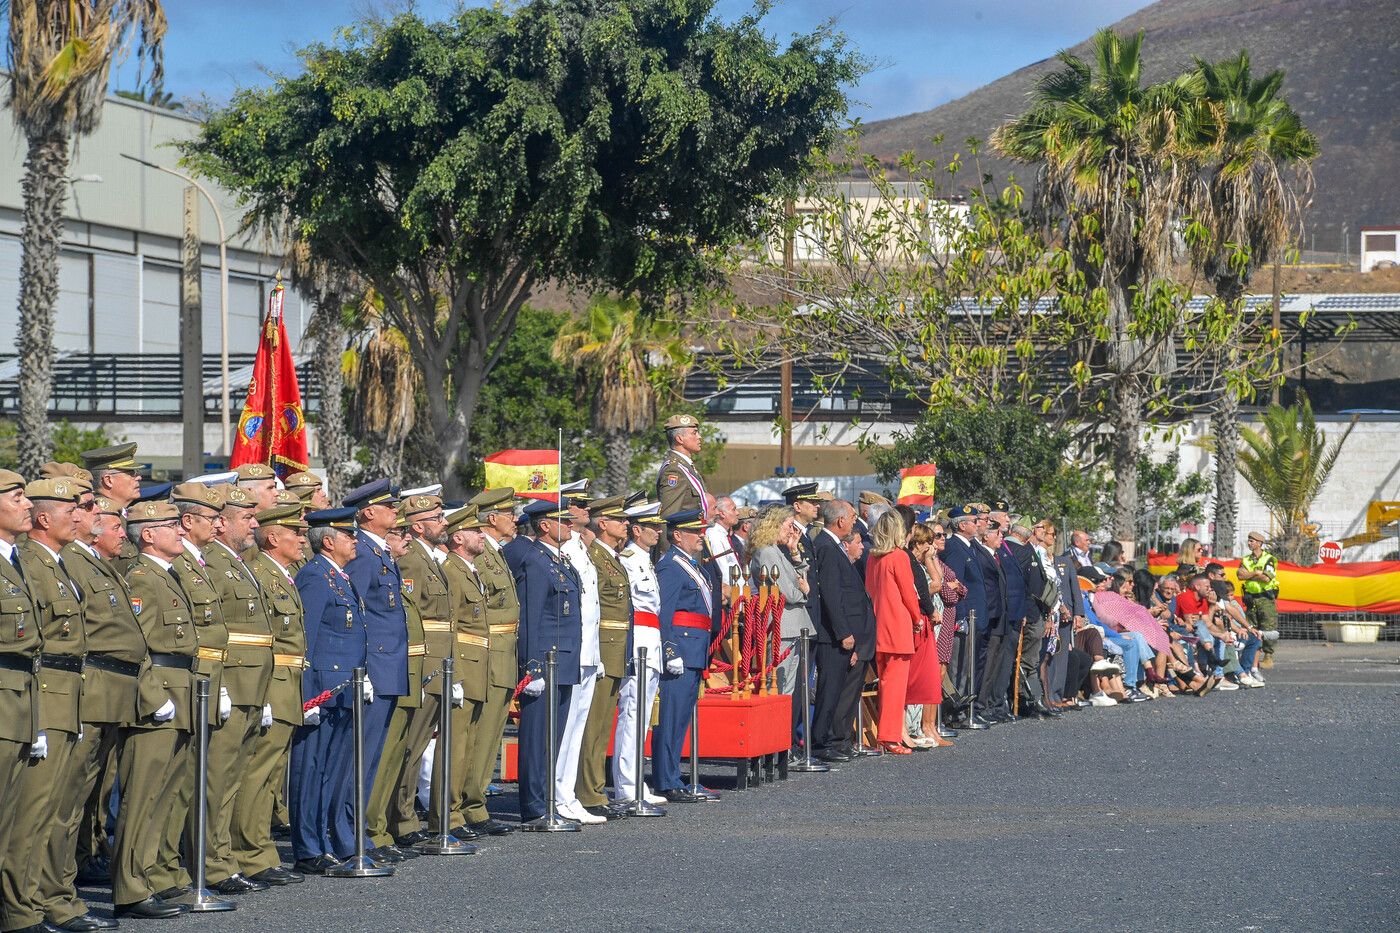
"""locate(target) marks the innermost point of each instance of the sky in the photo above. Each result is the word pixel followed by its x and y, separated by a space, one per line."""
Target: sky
pixel 924 52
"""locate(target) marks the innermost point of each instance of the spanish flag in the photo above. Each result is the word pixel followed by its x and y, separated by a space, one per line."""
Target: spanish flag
pixel 532 473
pixel 1372 586
pixel 916 485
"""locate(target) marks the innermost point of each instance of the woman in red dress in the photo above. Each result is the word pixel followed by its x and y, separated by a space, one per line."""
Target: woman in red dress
pixel 925 671
pixel 898 621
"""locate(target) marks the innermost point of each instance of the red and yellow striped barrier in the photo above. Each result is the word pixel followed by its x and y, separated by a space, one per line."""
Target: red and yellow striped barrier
pixel 1372 586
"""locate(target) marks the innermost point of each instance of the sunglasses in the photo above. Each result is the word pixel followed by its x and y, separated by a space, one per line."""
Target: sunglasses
pixel 938 536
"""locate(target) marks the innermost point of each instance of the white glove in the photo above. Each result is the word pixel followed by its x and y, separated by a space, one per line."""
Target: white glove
pixel 266 716
pixel 225 705
pixel 165 713
pixel 40 746
pixel 675 666
pixel 459 697
pixel 535 687
pixel 312 717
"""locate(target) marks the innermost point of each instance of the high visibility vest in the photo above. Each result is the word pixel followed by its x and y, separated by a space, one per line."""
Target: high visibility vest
pixel 1265 561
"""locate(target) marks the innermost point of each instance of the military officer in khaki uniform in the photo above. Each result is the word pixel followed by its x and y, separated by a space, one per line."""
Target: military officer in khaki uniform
pixel 467 602
pixel 20 642
pixel 608 521
pixel 247 672
pixel 200 512
pixel 259 481
pixel 280 538
pixel 44 785
pixel 679 485
pixel 425 591
pixel 393 761
pixel 495 510
pixel 155 764
pixel 307 487
pixel 116 655
pixel 116 477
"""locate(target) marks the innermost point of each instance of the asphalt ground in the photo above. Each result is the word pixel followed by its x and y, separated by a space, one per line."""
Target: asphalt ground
pixel 1272 809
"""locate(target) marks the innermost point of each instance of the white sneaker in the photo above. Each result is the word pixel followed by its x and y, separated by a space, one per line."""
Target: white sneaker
pixel 654 798
pixel 575 811
pixel 1249 680
pixel 1258 678
pixel 1102 699
pixel 1227 684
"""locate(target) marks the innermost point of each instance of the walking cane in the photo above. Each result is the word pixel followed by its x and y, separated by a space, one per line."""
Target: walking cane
pixel 551 822
pixel 444 843
pixel 359 865
pixel 805 763
pixel 201 899
pixel 639 805
pixel 1016 682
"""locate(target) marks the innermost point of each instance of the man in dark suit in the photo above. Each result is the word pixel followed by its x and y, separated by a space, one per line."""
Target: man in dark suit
pixel 846 641
pixel 971 613
pixel 994 660
pixel 1072 599
pixel 1026 565
pixel 804 501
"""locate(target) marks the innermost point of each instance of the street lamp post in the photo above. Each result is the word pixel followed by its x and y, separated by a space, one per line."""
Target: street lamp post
pixel 223 299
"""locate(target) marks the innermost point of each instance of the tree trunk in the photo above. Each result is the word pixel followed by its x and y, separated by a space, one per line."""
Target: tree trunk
pixel 1225 424
pixel 45 190
pixel 452 427
pixel 331 434
pixel 617 468
pixel 1127 445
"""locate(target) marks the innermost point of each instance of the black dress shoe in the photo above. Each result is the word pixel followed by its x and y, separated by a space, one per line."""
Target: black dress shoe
pixel 835 756
pixel 281 831
pixel 413 838
pixel 40 927
pixel 237 884
pixel 95 871
pixel 310 866
pixel 602 811
pixel 169 894
pixel 278 876
pixel 677 796
pixel 386 855
pixel 152 908
pixel 465 833
pixel 85 923
pixel 406 853
pixel 491 827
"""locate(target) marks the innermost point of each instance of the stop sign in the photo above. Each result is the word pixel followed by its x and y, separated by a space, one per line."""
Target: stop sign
pixel 1330 552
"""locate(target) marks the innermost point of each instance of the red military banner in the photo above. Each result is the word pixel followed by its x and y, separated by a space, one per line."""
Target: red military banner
pixel 272 429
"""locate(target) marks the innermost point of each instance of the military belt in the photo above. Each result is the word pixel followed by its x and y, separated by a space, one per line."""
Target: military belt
pixel 691 620
pixel 240 640
pixel 62 662
pixel 615 625
pixel 647 619
pixel 417 651
pixel 289 660
pixel 436 625
pixel 105 662
pixel 24 663
pixel 210 654
pixel 183 661
pixel 505 628
pixel 480 641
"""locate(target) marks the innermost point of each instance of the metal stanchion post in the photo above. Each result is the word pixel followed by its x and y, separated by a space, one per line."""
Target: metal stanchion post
pixel 444 843
pixel 551 822
pixel 639 805
pixel 359 865
pixel 201 899
pixel 804 660
pixel 695 790
pixel 971 655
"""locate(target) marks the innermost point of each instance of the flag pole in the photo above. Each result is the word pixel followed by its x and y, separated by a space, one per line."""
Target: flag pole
pixel 274 317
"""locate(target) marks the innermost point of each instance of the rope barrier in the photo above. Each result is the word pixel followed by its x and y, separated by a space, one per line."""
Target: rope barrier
pixel 324 697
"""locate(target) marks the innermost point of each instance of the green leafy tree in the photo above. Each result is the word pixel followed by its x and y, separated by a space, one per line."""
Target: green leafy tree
pixel 988 451
pixel 1256 177
pixel 69 442
pixel 629 363
pixel 60 58
pixel 455 166
pixel 1287 460
pixel 1167 497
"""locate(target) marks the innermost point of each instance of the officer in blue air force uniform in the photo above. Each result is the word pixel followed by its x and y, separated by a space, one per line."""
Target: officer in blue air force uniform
pixel 690 611
pixel 548 587
pixel 379 584
pixel 322 770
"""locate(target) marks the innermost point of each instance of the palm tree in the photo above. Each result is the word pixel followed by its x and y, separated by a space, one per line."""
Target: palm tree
pixel 630 360
pixel 1255 152
pixel 1287 461
pixel 330 290
pixel 1106 149
pixel 61 53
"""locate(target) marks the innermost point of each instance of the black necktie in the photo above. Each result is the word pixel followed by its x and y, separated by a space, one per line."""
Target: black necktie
pixel 77 590
pixel 14 559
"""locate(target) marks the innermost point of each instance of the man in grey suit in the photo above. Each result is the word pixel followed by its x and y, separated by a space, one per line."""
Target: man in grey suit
pixel 1071 608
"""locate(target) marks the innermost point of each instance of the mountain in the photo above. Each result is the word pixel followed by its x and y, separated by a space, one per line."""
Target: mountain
pixel 1342 65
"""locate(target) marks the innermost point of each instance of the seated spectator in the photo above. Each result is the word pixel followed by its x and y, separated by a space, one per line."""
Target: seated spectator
pixel 1188 559
pixel 1251 640
pixel 1118 609
pixel 1196 607
pixel 1131 648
